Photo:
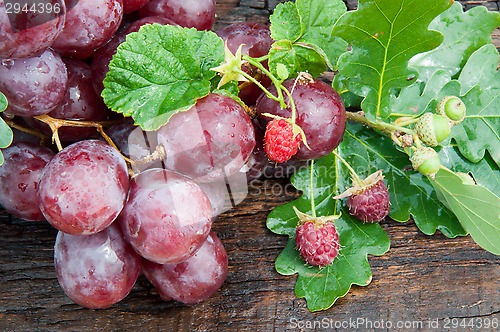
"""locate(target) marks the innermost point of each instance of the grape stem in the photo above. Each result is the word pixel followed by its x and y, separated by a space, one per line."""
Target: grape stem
pixel 55 124
pixel 24 129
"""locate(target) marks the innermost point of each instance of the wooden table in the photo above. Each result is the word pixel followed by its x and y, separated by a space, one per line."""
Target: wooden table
pixel 421 281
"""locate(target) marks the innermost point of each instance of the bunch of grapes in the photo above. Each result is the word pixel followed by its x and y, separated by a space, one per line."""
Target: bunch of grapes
pixel 125 200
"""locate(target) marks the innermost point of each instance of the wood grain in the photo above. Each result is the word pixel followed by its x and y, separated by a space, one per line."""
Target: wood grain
pixel 421 279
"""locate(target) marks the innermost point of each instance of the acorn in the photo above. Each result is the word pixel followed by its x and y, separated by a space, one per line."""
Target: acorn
pixel 426 161
pixel 432 128
pixel 452 108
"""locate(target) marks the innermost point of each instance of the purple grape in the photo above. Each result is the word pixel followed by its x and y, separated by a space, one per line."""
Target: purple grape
pixel 135 26
pixel 83 188
pixel 320 113
pixel 19 177
pixel 256 40
pixel 133 5
pixel 98 270
pixel 211 140
pixel 199 14
pixel 89 25
pixel 226 192
pixel 28 33
pixel 120 133
pixel 101 60
pixel 167 217
pixel 194 280
pixel 33 86
pixel 217 195
pixel 258 161
pixel 80 103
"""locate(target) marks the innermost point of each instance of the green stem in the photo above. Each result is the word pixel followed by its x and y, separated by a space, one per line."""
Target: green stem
pixel 256 82
pixel 354 175
pixel 387 128
pixel 407 122
pixel 311 191
pixel 261 59
pixel 292 104
pixel 276 82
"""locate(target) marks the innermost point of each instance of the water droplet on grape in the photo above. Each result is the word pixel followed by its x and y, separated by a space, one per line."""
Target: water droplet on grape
pixel 8 63
pixel 43 68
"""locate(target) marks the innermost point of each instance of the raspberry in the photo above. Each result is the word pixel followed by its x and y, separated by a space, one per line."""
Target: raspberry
pixel 371 203
pixel 280 142
pixel 318 243
pixel 368 199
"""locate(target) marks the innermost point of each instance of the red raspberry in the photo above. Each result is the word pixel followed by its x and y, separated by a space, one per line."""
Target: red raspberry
pixel 370 203
pixel 280 143
pixel 318 243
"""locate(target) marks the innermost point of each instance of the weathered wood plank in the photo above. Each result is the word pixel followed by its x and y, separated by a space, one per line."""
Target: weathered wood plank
pixel 421 279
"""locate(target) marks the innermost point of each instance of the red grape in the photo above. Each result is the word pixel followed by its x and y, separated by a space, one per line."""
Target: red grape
pixel 89 25
pixel 320 113
pixel 256 40
pixel 33 86
pixel 26 34
pixel 83 188
pixel 133 5
pixel 199 14
pixel 120 133
pixel 135 26
pixel 80 103
pixel 226 192
pixel 193 280
pixel 211 140
pixel 167 217
pixel 19 177
pixel 98 270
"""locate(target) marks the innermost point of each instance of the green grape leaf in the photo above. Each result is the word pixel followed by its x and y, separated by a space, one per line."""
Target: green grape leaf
pixel 321 287
pixel 6 134
pixel 384 36
pixel 410 192
pixel 476 207
pixel 464 33
pixel 303 31
pixel 161 70
pixel 480 130
pixel 485 172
